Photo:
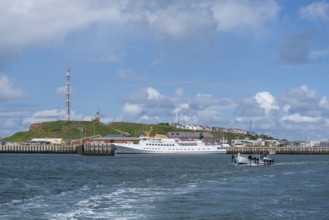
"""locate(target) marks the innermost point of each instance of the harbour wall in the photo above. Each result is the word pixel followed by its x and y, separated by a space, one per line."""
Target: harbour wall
pixel 87 150
pixel 278 150
pixel 109 150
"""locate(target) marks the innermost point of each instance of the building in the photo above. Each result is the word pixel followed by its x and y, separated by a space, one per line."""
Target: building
pixel 207 137
pixel 98 140
pixel 52 141
pixel 320 143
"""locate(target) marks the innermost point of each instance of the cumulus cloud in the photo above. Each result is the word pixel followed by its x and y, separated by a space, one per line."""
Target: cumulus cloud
pixel 299 99
pixel 150 97
pixel 266 101
pixel 132 109
pixel 299 118
pixel 153 94
pixel 324 103
pixel 8 91
pixel 179 92
pixel 316 11
pixel 297 108
pixel 151 104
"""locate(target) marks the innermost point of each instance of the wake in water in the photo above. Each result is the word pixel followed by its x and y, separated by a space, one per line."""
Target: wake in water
pixel 162 187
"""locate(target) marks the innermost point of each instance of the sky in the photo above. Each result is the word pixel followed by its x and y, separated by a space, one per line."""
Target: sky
pixel 248 64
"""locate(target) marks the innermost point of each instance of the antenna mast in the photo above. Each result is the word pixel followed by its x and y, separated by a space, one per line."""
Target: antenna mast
pixel 68 89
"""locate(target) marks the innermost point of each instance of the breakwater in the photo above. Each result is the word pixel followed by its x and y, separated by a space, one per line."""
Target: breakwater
pixel 87 150
pixel 278 150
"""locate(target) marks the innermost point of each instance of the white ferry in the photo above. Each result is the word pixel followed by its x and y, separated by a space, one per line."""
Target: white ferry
pixel 155 145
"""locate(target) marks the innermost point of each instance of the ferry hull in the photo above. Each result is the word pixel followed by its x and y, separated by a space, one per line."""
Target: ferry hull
pixel 121 149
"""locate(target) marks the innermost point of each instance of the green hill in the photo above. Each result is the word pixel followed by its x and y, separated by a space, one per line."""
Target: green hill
pixel 61 129
pixel 79 129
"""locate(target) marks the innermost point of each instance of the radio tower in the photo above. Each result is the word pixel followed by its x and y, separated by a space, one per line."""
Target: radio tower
pixel 68 89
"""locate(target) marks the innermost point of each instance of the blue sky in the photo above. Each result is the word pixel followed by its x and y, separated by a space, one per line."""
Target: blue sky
pixel 220 63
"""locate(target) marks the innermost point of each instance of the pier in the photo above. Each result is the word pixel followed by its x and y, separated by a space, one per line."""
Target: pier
pixel 86 150
pixel 278 150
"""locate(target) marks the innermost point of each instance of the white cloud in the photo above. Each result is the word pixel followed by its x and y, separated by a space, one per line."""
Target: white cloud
pixel 324 103
pixel 316 11
pixel 266 101
pixel 309 93
pixel 37 22
pixel 149 103
pixel 299 118
pixel 132 109
pixel 300 99
pixel 251 14
pixel 179 92
pixel 61 90
pixel 53 115
pixel 8 90
pixel 153 94
pixel 181 108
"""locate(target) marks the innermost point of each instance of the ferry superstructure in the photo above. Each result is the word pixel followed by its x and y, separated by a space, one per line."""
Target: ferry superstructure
pixel 155 145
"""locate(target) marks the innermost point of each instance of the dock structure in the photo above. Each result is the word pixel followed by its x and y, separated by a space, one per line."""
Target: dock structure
pixel 88 150
pixel 38 149
pixel 96 150
pixel 109 150
pixel 278 150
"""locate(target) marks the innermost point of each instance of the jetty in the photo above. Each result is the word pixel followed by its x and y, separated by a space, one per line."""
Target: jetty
pixel 278 150
pixel 86 150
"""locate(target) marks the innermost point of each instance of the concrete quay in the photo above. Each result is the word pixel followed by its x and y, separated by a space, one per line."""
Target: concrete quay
pixel 96 150
pixel 278 150
pixel 86 150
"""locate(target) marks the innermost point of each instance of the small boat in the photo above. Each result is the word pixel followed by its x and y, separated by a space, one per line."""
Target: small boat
pixel 252 160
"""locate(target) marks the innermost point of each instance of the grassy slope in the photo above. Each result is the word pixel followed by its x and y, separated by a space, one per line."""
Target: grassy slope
pixel 70 129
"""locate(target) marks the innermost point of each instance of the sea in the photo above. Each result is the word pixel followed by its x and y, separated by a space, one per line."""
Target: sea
pixel 49 186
